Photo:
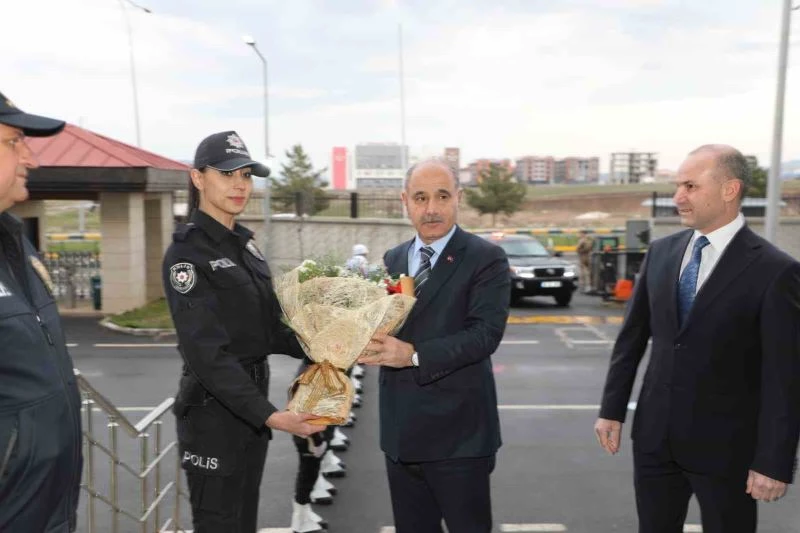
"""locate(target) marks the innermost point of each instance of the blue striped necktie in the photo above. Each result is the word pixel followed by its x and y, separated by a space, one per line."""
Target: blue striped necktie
pixel 687 285
pixel 424 271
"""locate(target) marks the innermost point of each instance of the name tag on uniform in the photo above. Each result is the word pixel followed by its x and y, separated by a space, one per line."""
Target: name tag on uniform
pixel 4 291
pixel 221 263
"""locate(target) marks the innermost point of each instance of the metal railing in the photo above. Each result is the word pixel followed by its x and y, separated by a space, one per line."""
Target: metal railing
pixel 148 516
pixel 71 273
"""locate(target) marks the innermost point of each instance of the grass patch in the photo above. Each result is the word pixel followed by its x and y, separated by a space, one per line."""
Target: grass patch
pixel 152 315
pixel 73 246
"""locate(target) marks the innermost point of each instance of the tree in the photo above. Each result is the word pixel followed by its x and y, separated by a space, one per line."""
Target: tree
pixel 299 176
pixel 759 179
pixel 497 192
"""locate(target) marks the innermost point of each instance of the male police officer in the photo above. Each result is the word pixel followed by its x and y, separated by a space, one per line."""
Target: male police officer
pixel 40 428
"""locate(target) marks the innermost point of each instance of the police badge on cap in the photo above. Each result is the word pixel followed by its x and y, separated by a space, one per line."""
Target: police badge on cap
pixel 226 151
pixel 182 277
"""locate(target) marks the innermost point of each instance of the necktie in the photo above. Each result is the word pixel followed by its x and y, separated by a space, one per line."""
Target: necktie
pixel 424 271
pixel 687 285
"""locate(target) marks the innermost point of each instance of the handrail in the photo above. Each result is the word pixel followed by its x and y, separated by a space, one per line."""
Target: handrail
pixel 153 494
pixel 105 404
pixel 154 415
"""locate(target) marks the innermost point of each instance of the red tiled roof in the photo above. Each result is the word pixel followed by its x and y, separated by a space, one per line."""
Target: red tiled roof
pixel 77 147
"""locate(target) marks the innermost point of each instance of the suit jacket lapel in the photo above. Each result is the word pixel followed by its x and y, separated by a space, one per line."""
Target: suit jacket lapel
pixel 673 274
pixel 445 266
pixel 741 251
pixel 399 263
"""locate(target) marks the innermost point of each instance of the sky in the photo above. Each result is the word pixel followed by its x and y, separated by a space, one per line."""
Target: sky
pixel 497 78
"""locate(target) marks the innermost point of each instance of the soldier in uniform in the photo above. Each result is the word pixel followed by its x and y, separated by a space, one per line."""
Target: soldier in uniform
pixel 584 249
pixel 227 319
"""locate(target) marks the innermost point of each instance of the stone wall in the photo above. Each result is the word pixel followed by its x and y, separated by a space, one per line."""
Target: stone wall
pixel 292 240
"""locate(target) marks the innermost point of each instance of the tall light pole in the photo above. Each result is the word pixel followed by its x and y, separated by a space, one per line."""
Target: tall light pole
pixel 774 183
pixel 251 42
pixel 133 63
pixel 403 147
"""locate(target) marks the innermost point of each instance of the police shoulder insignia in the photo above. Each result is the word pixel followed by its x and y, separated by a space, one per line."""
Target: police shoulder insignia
pixel 43 274
pixel 253 249
pixel 182 277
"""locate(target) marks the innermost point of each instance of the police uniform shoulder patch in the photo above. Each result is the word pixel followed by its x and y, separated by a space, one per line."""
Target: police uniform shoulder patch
pixel 253 249
pixel 182 277
pixel 43 274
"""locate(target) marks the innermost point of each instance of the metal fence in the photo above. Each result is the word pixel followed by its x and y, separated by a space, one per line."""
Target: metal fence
pixel 661 206
pixel 154 494
pixel 72 274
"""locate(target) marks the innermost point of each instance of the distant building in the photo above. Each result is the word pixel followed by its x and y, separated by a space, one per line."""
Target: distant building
pixel 453 158
pixel 339 168
pixel 577 170
pixel 535 169
pixel 380 165
pixel 631 167
pixel 665 176
pixel 480 165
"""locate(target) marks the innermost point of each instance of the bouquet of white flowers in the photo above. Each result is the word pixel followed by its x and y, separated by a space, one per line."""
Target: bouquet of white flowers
pixel 335 313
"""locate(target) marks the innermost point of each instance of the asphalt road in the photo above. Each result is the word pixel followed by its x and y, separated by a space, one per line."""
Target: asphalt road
pixel 550 476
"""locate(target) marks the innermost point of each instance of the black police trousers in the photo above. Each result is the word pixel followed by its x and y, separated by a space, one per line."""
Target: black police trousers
pixel 229 504
pixel 308 469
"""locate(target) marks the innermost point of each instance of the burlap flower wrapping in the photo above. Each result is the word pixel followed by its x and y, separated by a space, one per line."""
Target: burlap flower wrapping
pixel 334 319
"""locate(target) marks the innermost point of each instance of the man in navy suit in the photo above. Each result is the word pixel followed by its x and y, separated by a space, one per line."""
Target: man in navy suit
pixel 440 428
pixel 718 415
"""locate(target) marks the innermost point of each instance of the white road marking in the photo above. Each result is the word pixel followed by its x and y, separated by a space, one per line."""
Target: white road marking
pixel 135 345
pixel 692 528
pixel 540 407
pixel 72 344
pixel 556 407
pixel 519 342
pixel 262 530
pixel 532 527
pixel 126 409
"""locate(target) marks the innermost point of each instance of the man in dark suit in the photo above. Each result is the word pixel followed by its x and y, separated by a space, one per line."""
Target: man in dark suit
pixel 719 411
pixel 440 428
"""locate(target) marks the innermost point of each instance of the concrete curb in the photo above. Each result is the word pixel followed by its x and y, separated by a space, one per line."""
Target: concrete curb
pixel 136 332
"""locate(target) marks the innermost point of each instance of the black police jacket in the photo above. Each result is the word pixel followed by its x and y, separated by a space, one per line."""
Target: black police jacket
pixel 40 424
pixel 227 318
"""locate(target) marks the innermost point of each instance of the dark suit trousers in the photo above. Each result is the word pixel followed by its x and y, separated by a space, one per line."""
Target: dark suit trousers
pixel 456 490
pixel 663 490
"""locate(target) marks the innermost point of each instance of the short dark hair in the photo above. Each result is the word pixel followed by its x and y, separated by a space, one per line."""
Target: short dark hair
pixel 731 164
pixel 436 160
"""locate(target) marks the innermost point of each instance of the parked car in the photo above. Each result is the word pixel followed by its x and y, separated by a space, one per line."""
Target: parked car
pixel 534 270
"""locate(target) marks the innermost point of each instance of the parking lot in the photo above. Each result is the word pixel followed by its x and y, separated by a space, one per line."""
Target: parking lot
pixel 550 476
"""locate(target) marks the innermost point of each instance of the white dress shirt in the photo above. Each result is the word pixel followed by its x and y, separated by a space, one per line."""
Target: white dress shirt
pixel 415 256
pixel 718 240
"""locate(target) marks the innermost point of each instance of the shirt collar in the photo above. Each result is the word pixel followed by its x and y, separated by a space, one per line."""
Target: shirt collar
pixel 218 231
pixel 721 237
pixel 437 245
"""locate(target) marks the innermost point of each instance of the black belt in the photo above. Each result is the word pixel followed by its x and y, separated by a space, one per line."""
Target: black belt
pixel 256 371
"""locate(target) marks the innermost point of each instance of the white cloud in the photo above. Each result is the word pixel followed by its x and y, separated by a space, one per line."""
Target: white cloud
pixel 496 81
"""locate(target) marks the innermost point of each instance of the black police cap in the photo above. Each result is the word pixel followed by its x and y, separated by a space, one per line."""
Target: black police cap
pixel 226 151
pixel 31 125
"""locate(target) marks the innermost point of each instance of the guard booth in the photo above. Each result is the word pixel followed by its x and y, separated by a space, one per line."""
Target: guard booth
pixel 614 265
pixel 133 189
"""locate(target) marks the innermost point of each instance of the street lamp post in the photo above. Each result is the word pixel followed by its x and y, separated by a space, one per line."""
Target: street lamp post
pixel 251 42
pixel 774 183
pixel 133 64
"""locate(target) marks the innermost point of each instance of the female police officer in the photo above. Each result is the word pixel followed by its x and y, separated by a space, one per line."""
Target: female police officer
pixel 227 318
